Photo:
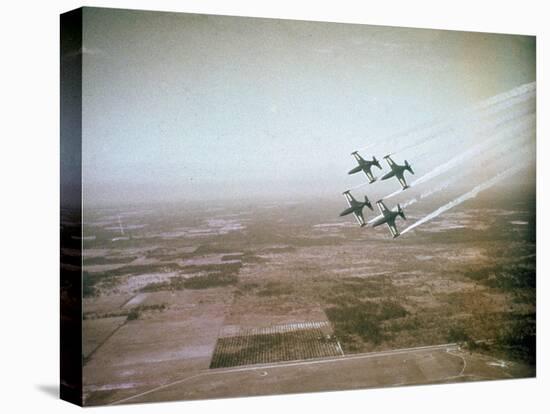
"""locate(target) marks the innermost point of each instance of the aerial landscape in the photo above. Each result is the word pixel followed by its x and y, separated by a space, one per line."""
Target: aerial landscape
pixel 277 207
pixel 206 290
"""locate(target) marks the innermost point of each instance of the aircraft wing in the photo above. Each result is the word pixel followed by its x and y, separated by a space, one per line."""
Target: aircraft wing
pixel 402 181
pixel 382 207
pixel 359 217
pixel 369 176
pixel 349 198
pixel 390 162
pixel 393 229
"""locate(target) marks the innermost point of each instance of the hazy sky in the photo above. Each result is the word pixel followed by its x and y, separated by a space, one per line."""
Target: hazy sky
pixel 181 106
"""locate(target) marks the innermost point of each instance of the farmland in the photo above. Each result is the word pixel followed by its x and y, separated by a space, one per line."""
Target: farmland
pixel 191 291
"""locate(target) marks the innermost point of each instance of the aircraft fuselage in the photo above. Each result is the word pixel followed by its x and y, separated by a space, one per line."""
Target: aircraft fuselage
pixel 395 170
pixel 365 166
pixel 353 209
pixel 386 218
pixel 398 171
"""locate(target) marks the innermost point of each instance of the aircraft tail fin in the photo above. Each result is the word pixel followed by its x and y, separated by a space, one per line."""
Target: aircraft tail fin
pixel 401 212
pixel 376 162
pixel 368 203
pixel 408 166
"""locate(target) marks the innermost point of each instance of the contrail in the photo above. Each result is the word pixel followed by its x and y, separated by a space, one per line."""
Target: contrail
pixel 433 125
pixel 120 226
pixel 457 160
pixel 526 87
pixel 518 94
pixel 469 195
pixel 456 130
pixel 502 120
pixel 431 191
pixel 355 187
pixel 425 194
pixel 522 119
pixel 450 164
pixel 446 184
pixel 509 98
pixel 468 154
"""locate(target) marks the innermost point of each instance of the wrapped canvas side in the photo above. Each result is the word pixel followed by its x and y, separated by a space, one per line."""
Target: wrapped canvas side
pixel 71 207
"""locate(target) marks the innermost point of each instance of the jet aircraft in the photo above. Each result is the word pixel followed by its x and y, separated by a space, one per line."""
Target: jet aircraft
pixel 355 207
pixel 365 166
pixel 388 216
pixel 398 171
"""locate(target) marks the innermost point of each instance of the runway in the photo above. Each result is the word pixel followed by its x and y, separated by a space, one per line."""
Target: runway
pixel 411 366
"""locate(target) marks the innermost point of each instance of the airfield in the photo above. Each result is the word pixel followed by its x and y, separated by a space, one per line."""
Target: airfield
pixel 251 298
pixel 423 365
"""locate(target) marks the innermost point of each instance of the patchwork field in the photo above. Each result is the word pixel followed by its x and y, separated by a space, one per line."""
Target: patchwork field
pixel 275 344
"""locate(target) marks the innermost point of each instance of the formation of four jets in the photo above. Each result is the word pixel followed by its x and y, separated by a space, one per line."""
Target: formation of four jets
pixel 386 215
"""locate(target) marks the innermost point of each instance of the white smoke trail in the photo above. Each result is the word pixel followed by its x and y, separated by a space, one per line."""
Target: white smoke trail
pixel 120 226
pixel 433 126
pixel 409 203
pixel 525 153
pixel 476 150
pixel 506 100
pixel 527 87
pixel 467 196
pixel 524 120
pixel 454 129
pixel 425 194
pixel 480 148
pixel 440 187
pixel 499 122
pixel 431 191
pixel 355 187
